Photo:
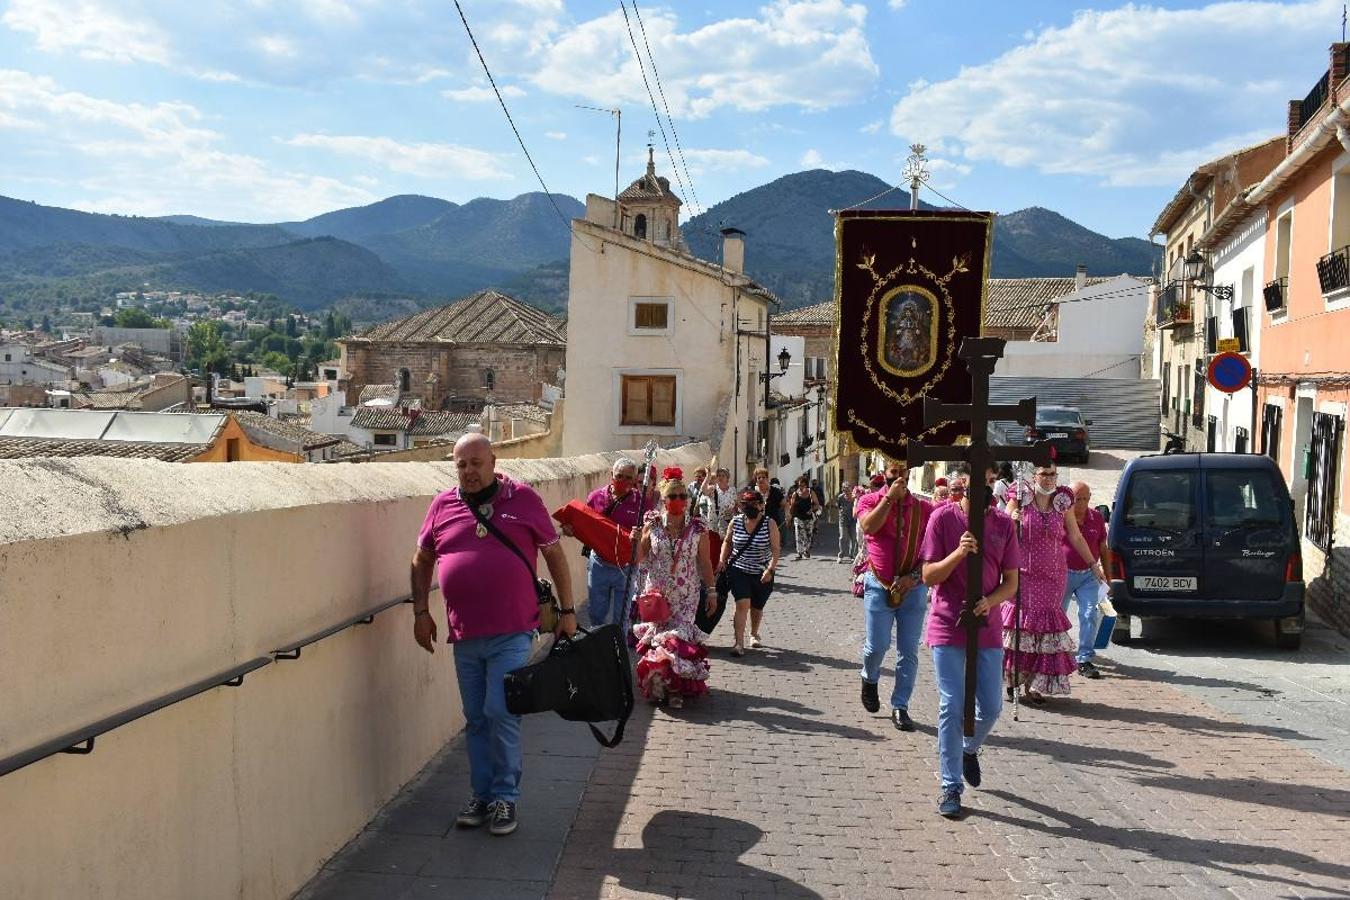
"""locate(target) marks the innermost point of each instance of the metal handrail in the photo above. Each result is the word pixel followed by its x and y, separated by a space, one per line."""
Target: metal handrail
pixel 292 651
pixel 81 740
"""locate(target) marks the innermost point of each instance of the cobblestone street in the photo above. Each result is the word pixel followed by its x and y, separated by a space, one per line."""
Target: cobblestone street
pixel 779 784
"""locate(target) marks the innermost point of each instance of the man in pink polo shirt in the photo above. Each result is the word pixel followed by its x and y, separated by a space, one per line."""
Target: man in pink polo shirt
pixel 893 522
pixel 491 612
pixel 1085 575
pixel 946 545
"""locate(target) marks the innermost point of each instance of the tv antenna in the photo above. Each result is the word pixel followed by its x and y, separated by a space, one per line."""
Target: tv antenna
pixel 617 113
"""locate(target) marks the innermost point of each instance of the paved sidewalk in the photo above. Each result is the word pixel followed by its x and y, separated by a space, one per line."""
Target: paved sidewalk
pixel 779 784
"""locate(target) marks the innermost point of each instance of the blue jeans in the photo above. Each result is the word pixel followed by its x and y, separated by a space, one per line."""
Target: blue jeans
pixel 493 734
pixel 605 602
pixel 949 665
pixel 907 621
pixel 1083 585
pixel 848 545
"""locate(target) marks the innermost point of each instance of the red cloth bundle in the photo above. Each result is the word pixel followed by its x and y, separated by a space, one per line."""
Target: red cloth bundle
pixel 603 536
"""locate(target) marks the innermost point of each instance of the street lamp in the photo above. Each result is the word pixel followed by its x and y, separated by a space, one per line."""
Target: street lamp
pixel 784 361
pixel 1196 271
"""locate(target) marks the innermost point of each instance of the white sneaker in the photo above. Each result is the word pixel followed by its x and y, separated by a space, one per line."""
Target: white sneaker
pixel 755 642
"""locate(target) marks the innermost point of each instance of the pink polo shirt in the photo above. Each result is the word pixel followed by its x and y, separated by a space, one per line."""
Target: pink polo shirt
pixel 487 589
pixel 1093 527
pixel 999 552
pixel 624 513
pixel 881 546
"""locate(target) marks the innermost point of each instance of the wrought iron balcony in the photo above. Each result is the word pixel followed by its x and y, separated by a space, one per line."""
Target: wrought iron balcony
pixel 1173 307
pixel 1333 270
pixel 1275 294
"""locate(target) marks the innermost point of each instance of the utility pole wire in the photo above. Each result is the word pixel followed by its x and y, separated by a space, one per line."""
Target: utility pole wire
pixel 650 96
pixel 662 91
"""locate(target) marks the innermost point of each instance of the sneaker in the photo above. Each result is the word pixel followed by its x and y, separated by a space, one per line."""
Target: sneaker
pixel 870 701
pixel 474 813
pixel 755 642
pixel 503 818
pixel 1088 670
pixel 950 804
pixel 900 718
pixel 970 767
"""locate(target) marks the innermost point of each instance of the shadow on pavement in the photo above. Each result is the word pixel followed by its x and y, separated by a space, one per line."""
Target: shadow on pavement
pixel 1250 861
pixel 769 713
pixel 1100 712
pixel 1237 639
pixel 1313 798
pixel 1082 754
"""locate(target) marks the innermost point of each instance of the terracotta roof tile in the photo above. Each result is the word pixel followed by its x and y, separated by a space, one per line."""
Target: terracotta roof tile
pixel 299 435
pixel 487 317
pixel 1022 302
pixel 20 448
pixel 384 418
pixel 816 314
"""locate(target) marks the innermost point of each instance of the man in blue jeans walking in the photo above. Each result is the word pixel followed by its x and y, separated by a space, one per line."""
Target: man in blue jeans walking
pixel 893 523
pixel 486 536
pixel 1085 575
pixel 946 545
pixel 619 502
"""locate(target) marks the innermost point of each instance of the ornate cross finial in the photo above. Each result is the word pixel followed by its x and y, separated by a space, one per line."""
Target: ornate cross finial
pixel 915 172
pixel 651 161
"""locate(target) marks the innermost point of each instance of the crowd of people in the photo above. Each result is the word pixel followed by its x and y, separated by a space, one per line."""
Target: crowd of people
pixel 699 547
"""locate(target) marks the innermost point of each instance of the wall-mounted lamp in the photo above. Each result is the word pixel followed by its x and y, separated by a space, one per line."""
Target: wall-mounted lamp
pixel 1196 271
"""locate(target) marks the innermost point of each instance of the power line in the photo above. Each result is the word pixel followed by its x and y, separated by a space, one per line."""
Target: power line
pixel 944 196
pixel 662 91
pixel 650 96
pixel 512 122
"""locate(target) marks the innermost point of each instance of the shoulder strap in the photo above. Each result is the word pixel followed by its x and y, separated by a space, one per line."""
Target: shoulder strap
pixel 612 505
pixel 749 538
pixel 497 533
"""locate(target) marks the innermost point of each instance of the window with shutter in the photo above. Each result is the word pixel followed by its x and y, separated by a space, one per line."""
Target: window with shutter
pixel 1240 328
pixel 648 400
pixel 651 315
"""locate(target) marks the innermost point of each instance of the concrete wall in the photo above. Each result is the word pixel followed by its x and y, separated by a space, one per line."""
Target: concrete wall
pixel 140 578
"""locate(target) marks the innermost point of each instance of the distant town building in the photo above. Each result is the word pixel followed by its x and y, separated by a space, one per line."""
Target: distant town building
pixel 18 365
pixel 169 437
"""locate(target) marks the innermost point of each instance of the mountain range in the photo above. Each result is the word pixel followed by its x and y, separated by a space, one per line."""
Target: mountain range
pixel 412 249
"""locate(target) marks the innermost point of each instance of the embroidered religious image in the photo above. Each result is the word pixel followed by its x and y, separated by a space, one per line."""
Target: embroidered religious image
pixel 909 331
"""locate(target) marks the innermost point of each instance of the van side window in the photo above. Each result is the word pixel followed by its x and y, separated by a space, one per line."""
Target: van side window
pixel 1161 500
pixel 1241 498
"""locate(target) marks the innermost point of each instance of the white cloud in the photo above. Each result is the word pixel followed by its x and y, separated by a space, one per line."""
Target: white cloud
pixel 556 135
pixel 421 159
pixel 807 53
pixel 146 158
pixel 723 160
pixel 1133 96
pixel 813 159
pixel 897 4
pixel 872 127
pixel 88 29
pixel 277 45
pixel 480 93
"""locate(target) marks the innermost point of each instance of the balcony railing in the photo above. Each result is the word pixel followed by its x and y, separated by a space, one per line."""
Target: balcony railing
pixel 1313 102
pixel 1333 270
pixel 1173 307
pixel 1275 294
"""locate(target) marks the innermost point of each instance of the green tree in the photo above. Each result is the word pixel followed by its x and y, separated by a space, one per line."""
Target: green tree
pixel 277 362
pixel 46 323
pixel 290 327
pixel 134 317
pixel 206 350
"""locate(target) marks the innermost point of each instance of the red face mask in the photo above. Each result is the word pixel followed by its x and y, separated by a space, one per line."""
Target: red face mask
pixel 677 507
pixel 620 486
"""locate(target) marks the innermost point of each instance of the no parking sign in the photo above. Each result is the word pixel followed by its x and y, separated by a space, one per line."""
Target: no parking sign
pixel 1229 372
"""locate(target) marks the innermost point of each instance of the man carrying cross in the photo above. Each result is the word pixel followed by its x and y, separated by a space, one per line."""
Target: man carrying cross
pixel 947 543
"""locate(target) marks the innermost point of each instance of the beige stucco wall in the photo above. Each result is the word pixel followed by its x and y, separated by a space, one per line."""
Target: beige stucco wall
pixel 121 580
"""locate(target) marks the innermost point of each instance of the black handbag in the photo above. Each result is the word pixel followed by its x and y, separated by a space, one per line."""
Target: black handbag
pixel 586 678
pixel 543 588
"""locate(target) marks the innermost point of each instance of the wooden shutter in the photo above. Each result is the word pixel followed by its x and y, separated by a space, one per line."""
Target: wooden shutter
pixel 663 401
pixel 651 315
pixel 636 405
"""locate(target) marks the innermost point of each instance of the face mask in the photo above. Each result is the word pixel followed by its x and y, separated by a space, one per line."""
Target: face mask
pixel 620 487
pixel 677 507
pixel 1045 491
pixel 750 509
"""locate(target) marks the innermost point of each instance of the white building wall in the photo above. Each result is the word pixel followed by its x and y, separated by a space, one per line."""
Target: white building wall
pixel 1100 335
pixel 1239 263
pixel 19 366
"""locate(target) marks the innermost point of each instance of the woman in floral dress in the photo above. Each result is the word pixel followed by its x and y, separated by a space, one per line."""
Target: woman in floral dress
pixel 673 661
pixel 1043 660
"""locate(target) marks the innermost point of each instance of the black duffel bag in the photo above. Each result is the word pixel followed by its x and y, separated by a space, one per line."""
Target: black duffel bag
pixel 584 679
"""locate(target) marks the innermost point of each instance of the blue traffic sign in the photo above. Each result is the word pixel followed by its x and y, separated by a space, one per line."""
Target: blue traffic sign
pixel 1230 372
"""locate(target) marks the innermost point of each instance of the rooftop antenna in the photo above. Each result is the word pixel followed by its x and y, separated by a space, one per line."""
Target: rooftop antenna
pixel 617 113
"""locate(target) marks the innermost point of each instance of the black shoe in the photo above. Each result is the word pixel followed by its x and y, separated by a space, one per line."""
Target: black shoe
pixel 474 813
pixel 900 718
pixel 1009 693
pixel 970 767
pixel 503 818
pixel 950 804
pixel 870 701
pixel 1088 670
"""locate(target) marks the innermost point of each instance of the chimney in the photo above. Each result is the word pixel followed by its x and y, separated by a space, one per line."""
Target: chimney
pixel 1080 278
pixel 733 250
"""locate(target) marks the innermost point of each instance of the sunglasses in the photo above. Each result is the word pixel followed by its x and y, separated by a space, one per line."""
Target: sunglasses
pixel 677 496
pixel 624 477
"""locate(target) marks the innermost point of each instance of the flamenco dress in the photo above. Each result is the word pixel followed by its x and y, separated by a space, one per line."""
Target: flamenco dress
pixel 1044 657
pixel 673 656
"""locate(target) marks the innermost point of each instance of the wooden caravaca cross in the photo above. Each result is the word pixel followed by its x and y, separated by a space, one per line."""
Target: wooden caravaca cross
pixel 980 355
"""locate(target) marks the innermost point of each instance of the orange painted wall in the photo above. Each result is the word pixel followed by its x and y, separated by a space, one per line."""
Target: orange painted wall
pixel 248 451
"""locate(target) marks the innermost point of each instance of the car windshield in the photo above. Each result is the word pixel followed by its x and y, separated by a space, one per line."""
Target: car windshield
pixel 1059 417
pixel 1159 499
pixel 1241 498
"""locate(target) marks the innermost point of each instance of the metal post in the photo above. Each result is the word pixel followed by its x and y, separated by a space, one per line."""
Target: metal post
pixel 916 170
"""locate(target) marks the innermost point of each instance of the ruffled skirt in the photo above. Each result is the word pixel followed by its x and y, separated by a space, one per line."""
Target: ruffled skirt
pixel 1044 656
pixel 672 660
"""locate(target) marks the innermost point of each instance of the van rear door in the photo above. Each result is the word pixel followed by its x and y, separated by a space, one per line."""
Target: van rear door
pixel 1248 533
pixel 1159 534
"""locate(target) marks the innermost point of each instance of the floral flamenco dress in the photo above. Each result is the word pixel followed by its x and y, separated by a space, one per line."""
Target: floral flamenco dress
pixel 1044 657
pixel 672 657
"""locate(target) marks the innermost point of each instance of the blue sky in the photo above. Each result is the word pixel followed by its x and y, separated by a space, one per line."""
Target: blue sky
pixel 268 110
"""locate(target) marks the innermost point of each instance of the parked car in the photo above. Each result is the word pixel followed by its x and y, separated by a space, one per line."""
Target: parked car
pixel 1206 535
pixel 1066 431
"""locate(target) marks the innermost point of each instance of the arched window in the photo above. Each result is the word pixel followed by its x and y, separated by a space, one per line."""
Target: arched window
pixel 489 379
pixel 404 381
pixel 640 226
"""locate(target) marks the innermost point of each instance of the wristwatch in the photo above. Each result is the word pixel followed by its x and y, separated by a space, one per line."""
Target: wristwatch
pixel 569 611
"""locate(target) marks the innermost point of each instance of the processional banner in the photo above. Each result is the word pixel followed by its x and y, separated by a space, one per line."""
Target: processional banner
pixel 909 285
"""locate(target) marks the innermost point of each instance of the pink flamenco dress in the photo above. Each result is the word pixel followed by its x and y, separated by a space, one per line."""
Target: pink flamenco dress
pixel 672 657
pixel 1044 657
